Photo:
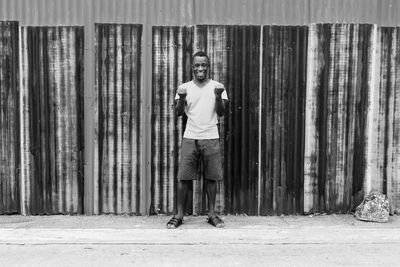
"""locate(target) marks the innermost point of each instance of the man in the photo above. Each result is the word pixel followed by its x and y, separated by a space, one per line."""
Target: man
pixel 202 99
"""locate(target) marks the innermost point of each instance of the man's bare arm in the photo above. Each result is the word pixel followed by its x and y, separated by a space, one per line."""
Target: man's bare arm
pixel 180 106
pixel 220 103
pixel 181 102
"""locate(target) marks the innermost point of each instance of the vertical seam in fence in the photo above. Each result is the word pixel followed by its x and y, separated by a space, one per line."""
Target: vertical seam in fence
pixel 260 122
pixel 371 110
pixel 146 105
pixel 89 207
pixel 21 128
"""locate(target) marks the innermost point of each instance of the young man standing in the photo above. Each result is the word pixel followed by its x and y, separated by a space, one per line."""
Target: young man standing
pixel 203 100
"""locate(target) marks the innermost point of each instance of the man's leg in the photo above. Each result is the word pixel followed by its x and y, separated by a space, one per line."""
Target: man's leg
pixel 176 220
pixel 212 173
pixel 211 188
pixel 183 188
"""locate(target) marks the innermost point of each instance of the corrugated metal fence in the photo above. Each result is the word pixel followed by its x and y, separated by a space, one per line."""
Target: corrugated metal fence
pixel 338 88
pixel 282 119
pixel 383 149
pixel 313 121
pixel 9 118
pixel 117 127
pixel 52 120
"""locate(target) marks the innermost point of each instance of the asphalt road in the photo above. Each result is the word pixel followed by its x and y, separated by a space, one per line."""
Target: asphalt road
pixel 143 241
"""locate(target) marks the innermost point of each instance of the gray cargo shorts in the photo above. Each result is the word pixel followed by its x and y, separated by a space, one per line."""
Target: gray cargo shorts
pixel 193 151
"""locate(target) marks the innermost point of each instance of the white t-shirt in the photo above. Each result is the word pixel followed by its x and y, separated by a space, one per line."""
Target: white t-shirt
pixel 200 110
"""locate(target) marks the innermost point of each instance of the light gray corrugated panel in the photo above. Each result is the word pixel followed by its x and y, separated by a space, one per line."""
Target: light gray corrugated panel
pixel 124 11
pixel 342 11
pixel 381 12
pixel 189 12
pixel 44 12
pixel 288 12
pixel 389 13
pixel 154 12
pixel 251 12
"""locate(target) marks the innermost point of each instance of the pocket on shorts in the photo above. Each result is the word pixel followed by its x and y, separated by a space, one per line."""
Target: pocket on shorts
pixel 212 147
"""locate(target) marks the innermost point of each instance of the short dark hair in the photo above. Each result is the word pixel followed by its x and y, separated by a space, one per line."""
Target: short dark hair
pixel 201 54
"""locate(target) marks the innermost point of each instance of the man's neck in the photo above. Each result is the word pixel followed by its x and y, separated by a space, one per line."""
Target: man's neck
pixel 202 82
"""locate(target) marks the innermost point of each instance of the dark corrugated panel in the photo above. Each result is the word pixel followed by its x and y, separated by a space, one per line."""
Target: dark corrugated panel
pixel 118 119
pixel 213 41
pixel 234 53
pixel 282 126
pixel 172 50
pixel 9 118
pixel 52 139
pixel 338 84
pixel 383 172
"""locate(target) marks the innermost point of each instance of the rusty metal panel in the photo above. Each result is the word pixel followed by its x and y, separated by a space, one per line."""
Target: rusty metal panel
pixel 338 85
pixel 9 118
pixel 52 120
pixel 172 51
pixel 118 119
pixel 282 119
pixel 234 58
pixel 234 53
pixel 383 170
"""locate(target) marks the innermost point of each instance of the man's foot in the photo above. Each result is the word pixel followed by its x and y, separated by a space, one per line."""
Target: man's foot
pixel 216 221
pixel 174 223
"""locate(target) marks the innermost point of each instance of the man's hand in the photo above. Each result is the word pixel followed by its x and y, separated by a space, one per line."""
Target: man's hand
pixel 182 92
pixel 218 90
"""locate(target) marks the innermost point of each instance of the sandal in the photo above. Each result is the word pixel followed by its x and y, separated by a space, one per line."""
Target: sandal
pixel 216 222
pixel 174 223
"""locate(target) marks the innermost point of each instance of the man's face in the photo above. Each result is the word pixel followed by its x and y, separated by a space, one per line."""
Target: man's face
pixel 200 67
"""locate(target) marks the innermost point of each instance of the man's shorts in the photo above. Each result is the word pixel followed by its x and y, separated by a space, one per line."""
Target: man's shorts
pixel 194 151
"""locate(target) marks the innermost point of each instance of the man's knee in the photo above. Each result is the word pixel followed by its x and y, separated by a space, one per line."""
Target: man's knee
pixel 184 183
pixel 209 181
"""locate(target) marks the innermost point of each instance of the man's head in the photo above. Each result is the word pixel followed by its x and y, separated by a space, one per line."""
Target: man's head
pixel 200 65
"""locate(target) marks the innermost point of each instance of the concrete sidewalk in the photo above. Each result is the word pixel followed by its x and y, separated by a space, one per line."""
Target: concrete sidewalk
pixel 144 241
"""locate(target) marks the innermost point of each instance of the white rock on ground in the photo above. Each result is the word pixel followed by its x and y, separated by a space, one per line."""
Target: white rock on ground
pixel 374 208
